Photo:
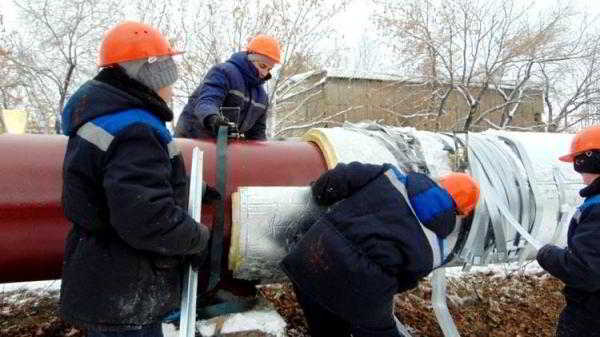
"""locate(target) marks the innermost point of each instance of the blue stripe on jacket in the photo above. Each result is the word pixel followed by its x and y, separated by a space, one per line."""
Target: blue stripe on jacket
pixel 114 123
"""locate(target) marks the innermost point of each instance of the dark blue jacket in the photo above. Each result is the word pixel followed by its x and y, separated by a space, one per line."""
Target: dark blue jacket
pixel 370 246
pixel 234 83
pixel 125 193
pixel 578 265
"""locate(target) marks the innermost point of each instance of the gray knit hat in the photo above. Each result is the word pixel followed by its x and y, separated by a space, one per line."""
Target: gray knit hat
pixel 261 58
pixel 154 72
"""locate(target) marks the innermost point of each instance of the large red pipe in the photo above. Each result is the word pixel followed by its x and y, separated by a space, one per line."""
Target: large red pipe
pixel 32 225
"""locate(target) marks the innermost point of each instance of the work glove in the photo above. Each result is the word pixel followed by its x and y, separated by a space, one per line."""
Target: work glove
pixel 343 180
pixel 210 194
pixel 172 317
pixel 199 261
pixel 543 255
pixel 329 189
pixel 214 122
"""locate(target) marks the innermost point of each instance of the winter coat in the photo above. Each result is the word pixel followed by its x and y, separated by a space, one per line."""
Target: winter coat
pixel 234 83
pixel 125 192
pixel 370 245
pixel 578 265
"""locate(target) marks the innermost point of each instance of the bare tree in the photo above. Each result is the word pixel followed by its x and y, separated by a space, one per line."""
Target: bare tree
pixel 211 30
pixel 66 35
pixel 571 89
pixel 12 85
pixel 58 49
pixel 469 48
pixel 304 30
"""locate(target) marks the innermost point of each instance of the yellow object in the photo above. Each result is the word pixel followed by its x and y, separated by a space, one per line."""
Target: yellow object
pixel 340 145
pixel 236 259
pixel 319 137
pixel 15 121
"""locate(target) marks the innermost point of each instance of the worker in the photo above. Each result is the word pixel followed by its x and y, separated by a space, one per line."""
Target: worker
pixel 125 192
pixel 578 264
pixel 232 94
pixel 384 230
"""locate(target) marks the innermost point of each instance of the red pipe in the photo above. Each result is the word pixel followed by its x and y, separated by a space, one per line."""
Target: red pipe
pixel 32 225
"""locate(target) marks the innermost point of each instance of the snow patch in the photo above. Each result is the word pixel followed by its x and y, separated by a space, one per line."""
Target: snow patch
pixel 266 321
pixel 499 270
pixel 35 285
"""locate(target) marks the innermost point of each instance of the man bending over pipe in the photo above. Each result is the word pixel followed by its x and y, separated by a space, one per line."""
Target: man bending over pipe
pixel 384 231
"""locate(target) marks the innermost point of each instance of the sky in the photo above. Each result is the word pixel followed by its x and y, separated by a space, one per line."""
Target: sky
pixel 7 11
pixel 353 23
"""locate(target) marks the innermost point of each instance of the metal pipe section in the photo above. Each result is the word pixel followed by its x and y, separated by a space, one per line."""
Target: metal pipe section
pixel 32 225
pixel 531 188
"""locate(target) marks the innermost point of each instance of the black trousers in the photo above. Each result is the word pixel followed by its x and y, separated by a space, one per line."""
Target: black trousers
pixel 576 321
pixel 324 323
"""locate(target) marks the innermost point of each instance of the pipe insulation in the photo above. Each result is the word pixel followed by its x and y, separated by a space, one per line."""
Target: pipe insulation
pixel 527 197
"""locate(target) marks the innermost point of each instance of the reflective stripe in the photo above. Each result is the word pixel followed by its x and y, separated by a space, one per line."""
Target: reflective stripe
pixel 239 94
pixel 173 149
pixel 246 99
pixel 262 106
pixel 102 138
pixel 434 242
pixel 95 135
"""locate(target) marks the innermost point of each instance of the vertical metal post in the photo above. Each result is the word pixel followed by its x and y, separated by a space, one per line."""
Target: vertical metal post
pixel 440 307
pixel 187 321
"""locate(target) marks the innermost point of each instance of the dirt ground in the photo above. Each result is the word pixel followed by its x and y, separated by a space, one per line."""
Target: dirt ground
pixel 482 304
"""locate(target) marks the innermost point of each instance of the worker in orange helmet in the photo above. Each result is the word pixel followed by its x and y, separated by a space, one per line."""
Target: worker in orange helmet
pixel 382 232
pixel 125 192
pixel 578 264
pixel 232 94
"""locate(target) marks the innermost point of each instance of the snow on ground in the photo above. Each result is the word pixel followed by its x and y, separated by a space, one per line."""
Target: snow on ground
pixel 34 285
pixel 413 306
pixel 502 269
pixel 268 321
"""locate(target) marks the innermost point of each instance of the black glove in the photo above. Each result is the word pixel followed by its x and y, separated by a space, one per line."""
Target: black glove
pixel 329 189
pixel 200 261
pixel 210 194
pixel 214 122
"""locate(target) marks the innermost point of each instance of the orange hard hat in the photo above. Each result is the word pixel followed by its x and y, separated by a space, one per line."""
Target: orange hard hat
pixel 463 189
pixel 267 46
pixel 585 140
pixel 129 41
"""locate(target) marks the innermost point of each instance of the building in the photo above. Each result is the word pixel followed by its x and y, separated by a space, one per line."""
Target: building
pixel 328 98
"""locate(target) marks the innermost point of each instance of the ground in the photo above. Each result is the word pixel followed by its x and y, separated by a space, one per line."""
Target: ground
pixel 482 304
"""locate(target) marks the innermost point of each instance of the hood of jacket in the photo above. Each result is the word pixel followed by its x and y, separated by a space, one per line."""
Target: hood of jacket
pixel 109 92
pixel 433 206
pixel 247 69
pixel 591 189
